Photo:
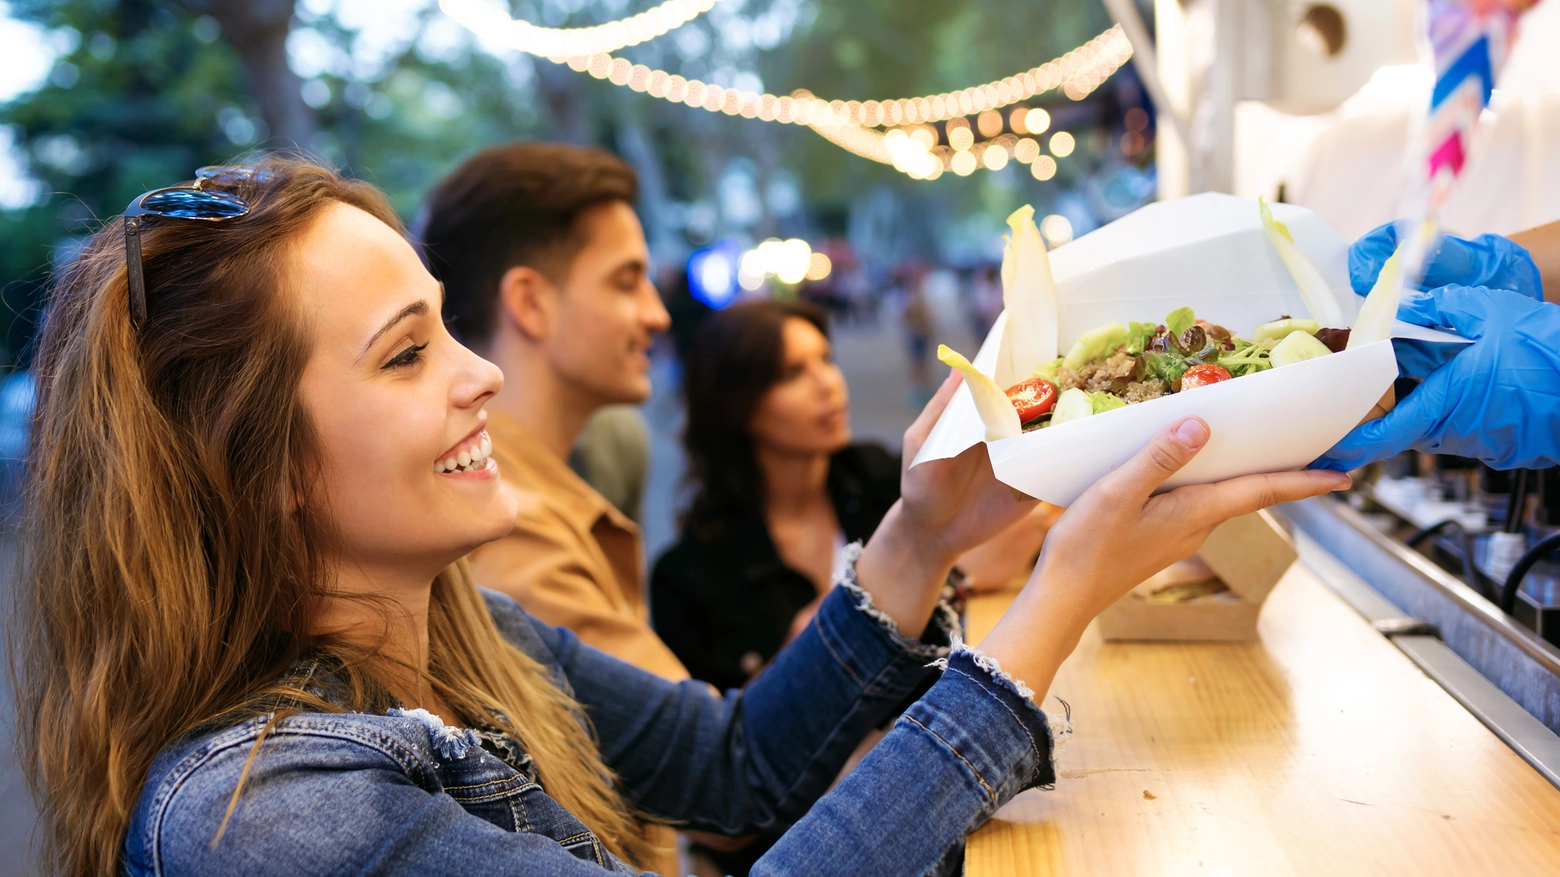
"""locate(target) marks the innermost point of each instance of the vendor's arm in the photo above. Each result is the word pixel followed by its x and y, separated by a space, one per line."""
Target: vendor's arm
pixel 1543 245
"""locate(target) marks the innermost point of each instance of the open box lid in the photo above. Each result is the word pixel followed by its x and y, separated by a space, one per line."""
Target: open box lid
pixel 1208 252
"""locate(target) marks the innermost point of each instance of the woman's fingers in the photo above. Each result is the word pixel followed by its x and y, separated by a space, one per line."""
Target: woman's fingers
pixel 916 435
pixel 1165 454
pixel 1208 505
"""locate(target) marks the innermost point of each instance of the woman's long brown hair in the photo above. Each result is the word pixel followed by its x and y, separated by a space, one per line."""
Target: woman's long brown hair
pixel 171 564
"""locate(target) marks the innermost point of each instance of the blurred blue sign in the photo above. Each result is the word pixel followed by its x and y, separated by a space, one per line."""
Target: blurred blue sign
pixel 712 273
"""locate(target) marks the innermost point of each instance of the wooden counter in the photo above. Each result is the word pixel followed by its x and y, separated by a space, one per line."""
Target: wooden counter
pixel 1321 750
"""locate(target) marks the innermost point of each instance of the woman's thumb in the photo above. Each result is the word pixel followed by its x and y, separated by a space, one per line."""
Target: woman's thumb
pixel 1171 449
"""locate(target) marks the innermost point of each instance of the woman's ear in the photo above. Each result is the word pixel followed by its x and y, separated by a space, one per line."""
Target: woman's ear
pixel 527 301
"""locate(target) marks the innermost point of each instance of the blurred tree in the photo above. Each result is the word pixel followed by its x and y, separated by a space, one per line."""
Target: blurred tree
pixel 145 91
pixel 258 30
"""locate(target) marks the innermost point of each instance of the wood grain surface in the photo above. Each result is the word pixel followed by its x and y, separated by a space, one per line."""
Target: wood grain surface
pixel 1319 750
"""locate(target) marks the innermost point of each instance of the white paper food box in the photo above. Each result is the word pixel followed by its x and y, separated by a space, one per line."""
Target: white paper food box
pixel 1207 252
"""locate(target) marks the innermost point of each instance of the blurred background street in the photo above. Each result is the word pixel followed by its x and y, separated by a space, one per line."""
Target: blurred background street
pixel 892 220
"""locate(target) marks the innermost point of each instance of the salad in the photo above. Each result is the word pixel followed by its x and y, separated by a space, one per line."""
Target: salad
pixel 1117 365
pixel 1032 386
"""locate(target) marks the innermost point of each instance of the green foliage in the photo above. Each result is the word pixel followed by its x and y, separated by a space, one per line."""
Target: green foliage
pixel 151 89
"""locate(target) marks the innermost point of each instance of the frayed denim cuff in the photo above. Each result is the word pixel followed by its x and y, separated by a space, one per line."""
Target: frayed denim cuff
pixel 976 679
pixel 869 646
pixel 942 630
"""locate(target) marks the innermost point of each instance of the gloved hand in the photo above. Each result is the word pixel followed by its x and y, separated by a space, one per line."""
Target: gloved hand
pixel 1496 400
pixel 1487 260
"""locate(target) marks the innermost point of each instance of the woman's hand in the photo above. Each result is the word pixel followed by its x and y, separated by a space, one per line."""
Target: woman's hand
pixel 945 508
pixel 957 503
pixel 1117 535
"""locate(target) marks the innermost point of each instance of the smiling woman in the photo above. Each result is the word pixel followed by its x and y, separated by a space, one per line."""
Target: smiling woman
pixel 249 637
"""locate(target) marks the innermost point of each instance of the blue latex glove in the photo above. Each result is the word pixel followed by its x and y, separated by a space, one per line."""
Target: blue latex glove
pixel 1497 400
pixel 1487 260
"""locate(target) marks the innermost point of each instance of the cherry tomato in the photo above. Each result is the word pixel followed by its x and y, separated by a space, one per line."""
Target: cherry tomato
pixel 1203 375
pixel 1032 398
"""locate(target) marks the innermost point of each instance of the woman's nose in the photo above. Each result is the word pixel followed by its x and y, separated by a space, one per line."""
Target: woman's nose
pixel 476 381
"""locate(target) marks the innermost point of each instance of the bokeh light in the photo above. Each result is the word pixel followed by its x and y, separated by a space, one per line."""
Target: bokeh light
pixel 1062 144
pixel 964 163
pixel 819 266
pixel 789 261
pixel 1043 168
pixel 1056 229
pixel 1036 121
pixel 995 157
pixel 990 123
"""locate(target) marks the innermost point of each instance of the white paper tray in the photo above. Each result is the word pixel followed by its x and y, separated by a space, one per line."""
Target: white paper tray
pixel 1207 252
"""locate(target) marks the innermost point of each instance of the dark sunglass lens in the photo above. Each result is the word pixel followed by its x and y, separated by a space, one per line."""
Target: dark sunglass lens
pixel 194 204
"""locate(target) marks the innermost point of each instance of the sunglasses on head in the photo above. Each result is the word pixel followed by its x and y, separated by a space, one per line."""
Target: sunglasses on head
pixel 203 201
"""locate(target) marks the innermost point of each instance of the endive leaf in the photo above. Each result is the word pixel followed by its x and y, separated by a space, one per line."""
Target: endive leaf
pixel 996 412
pixel 1318 295
pixel 1029 293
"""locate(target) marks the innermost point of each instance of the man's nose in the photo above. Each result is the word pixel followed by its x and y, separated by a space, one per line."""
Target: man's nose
pixel 654 314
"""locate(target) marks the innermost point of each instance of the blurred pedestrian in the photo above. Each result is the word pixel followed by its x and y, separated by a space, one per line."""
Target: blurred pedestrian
pixel 779 492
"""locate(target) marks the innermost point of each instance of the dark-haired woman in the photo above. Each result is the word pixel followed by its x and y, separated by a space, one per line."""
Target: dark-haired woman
pixel 258 462
pixel 779 492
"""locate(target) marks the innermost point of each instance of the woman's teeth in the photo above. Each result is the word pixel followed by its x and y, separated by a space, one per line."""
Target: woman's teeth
pixel 467 459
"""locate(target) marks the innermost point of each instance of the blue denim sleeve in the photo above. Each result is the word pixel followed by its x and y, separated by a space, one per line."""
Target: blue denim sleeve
pixel 758 758
pixel 959 753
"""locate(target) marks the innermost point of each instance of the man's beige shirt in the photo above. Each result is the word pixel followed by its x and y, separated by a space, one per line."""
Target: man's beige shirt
pixel 572 559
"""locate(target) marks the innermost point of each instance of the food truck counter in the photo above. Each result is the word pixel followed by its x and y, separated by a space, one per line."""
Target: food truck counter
pixel 1322 748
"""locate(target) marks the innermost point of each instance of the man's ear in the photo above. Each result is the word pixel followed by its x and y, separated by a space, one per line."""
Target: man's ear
pixel 528 301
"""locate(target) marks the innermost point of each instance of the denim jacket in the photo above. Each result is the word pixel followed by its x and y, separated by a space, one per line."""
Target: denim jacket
pixel 396 794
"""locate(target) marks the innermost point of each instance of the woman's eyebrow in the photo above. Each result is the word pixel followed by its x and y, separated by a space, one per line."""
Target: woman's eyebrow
pixel 415 309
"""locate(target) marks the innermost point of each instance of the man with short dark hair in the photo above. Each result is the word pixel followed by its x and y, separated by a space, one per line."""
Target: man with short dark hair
pixel 546 273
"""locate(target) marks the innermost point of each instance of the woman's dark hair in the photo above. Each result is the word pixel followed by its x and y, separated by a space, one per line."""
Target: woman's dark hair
pixel 733 359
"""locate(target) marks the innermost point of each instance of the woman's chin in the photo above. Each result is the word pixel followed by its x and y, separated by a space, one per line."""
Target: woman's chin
pixel 491 519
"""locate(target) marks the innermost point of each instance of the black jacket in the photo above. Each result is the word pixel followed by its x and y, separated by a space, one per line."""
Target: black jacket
pixel 715 602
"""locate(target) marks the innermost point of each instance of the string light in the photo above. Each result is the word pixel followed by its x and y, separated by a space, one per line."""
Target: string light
pixel 561 43
pixel 848 124
pixel 1043 168
pixel 1062 144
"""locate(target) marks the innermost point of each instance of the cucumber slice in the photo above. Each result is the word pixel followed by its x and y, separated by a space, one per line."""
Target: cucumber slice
pixel 1103 402
pixel 1297 347
pixel 1281 329
pixel 1095 344
pixel 1074 404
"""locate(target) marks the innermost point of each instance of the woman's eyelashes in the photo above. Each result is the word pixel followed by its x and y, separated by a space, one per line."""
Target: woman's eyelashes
pixel 406 358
